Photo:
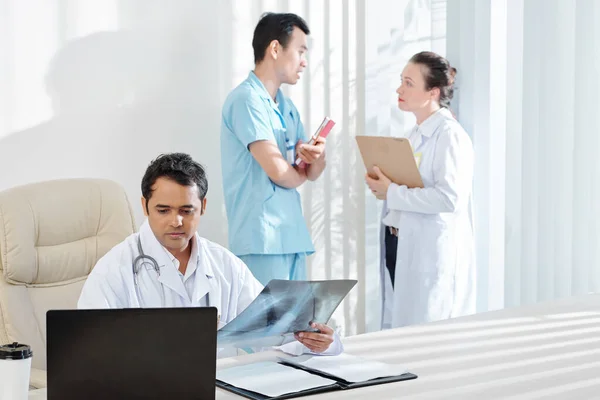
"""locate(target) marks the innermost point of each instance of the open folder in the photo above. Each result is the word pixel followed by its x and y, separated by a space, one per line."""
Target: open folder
pixel 281 309
pixel 393 156
pixel 301 376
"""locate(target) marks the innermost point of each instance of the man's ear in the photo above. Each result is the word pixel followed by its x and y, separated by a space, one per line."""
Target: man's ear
pixel 203 206
pixel 274 48
pixel 145 206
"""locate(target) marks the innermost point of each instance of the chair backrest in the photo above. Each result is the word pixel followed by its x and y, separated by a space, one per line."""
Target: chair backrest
pixel 51 235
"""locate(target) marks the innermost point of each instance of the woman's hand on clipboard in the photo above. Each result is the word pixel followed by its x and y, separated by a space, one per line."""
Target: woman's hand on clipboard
pixel 378 185
pixel 311 152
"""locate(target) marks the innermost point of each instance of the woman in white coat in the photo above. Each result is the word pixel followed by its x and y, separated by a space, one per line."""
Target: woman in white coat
pixel 428 262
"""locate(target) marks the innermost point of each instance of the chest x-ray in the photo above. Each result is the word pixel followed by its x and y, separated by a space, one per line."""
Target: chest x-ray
pixel 283 308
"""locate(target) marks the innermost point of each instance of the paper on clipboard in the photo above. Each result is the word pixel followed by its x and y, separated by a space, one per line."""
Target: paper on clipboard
pixel 393 156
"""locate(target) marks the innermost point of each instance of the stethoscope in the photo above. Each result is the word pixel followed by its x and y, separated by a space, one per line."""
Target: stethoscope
pixel 144 259
pixel 141 260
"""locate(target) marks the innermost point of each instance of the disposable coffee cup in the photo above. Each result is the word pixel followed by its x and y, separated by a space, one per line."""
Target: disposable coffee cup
pixel 15 368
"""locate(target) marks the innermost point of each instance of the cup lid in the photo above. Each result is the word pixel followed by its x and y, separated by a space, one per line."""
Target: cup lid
pixel 15 351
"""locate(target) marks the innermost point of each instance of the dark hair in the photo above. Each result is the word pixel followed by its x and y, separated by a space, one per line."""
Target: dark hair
pixel 178 167
pixel 437 74
pixel 275 26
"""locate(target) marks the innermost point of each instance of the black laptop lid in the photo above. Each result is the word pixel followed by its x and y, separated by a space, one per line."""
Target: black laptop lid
pixel 166 353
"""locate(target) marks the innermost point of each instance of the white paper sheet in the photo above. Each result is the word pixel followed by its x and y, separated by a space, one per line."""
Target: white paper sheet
pixel 349 367
pixel 270 378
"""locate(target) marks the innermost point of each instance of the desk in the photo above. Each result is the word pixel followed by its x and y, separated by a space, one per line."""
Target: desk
pixel 544 351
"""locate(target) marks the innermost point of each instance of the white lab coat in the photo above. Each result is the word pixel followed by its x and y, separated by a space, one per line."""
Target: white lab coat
pixel 222 280
pixel 435 264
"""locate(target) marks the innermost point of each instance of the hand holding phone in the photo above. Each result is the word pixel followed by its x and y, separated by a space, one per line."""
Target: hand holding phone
pixel 322 131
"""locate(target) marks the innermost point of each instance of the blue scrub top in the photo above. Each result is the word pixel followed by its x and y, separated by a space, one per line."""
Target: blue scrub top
pixel 263 218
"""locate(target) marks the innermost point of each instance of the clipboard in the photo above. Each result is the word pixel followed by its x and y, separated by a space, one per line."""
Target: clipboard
pixel 393 156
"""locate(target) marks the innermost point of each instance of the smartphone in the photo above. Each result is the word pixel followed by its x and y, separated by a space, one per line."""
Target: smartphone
pixel 322 131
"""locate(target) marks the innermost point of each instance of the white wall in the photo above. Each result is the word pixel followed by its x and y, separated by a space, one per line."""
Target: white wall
pixel 133 79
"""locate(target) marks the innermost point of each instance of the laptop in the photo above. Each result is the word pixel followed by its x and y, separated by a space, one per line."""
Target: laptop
pixel 162 353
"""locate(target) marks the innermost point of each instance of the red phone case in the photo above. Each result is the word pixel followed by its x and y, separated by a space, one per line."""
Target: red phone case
pixel 324 132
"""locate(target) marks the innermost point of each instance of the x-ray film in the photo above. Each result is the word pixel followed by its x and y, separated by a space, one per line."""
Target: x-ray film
pixel 283 308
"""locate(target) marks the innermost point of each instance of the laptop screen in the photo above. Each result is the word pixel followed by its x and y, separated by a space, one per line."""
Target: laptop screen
pixel 131 353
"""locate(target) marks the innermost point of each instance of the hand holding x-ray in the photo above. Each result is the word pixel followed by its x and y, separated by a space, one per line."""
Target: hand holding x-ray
pixel 285 311
pixel 318 341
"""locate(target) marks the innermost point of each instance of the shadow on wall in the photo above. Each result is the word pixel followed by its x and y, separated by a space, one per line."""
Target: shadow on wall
pixel 120 99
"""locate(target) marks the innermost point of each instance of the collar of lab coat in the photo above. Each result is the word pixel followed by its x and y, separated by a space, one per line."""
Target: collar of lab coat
pixel 169 275
pixel 423 132
pixel 428 127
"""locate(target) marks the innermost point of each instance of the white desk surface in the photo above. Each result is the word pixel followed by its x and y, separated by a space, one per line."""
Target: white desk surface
pixel 543 351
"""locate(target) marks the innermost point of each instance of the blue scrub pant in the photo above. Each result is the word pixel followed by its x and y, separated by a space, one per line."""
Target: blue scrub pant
pixel 265 267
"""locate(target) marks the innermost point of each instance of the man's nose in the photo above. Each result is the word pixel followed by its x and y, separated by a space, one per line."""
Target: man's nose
pixel 177 221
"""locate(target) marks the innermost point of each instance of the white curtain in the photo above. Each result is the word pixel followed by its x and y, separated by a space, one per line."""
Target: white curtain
pixel 553 207
pixel 529 97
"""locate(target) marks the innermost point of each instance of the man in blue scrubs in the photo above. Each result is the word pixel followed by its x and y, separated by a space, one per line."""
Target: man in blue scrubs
pixel 261 138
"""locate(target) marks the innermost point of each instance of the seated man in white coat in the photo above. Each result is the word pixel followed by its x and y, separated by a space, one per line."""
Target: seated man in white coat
pixel 167 264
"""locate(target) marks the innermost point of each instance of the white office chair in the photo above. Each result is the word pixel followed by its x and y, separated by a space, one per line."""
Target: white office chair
pixel 51 235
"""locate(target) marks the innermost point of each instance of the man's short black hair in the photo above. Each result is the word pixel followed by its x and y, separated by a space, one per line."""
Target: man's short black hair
pixel 178 167
pixel 275 26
